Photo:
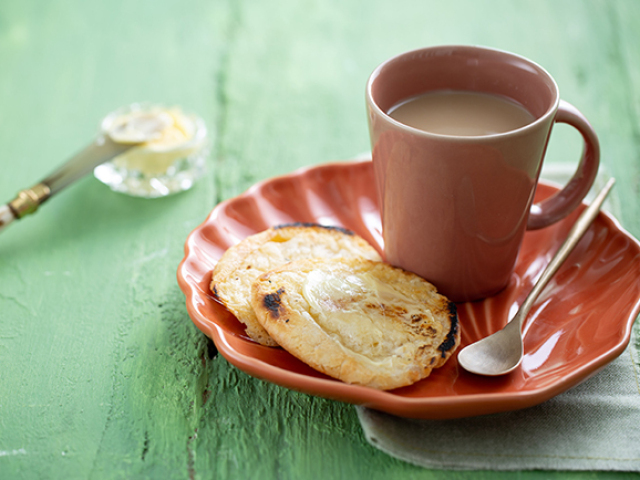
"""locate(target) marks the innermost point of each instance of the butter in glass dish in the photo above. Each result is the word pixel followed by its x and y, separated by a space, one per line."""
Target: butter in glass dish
pixel 168 162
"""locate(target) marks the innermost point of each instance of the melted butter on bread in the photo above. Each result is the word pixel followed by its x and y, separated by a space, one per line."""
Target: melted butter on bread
pixel 361 309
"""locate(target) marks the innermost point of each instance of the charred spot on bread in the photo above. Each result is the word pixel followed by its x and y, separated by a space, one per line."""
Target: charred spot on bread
pixel 450 340
pixel 273 303
pixel 313 225
pixel 390 310
pixel 215 291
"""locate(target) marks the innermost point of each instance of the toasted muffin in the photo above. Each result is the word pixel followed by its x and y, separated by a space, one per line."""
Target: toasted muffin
pixel 361 321
pixel 244 262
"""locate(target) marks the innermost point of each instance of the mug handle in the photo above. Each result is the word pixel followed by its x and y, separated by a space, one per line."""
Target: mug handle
pixel 566 200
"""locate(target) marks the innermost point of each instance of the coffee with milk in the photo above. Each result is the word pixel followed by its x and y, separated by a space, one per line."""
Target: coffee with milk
pixel 461 113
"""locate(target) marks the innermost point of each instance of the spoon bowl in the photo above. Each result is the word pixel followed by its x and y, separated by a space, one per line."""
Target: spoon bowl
pixel 497 354
pixel 502 352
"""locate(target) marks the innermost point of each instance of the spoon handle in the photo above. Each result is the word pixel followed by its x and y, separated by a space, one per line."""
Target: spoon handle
pixel 575 234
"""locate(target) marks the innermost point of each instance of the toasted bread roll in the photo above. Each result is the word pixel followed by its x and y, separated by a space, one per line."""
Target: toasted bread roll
pixel 363 322
pixel 244 262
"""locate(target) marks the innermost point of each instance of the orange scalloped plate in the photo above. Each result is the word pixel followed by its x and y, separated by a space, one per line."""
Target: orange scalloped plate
pixel 581 322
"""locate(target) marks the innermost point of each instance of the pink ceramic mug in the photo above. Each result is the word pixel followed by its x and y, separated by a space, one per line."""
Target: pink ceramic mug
pixel 454 208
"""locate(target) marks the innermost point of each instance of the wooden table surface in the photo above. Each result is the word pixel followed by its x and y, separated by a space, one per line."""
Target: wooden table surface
pixel 102 373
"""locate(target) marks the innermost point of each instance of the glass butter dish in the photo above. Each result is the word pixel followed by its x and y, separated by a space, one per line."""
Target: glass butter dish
pixel 169 161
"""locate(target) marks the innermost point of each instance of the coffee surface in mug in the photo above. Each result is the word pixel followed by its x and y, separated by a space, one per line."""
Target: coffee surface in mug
pixel 461 113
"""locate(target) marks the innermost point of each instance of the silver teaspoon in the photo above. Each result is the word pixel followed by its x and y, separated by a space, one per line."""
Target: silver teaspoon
pixel 502 352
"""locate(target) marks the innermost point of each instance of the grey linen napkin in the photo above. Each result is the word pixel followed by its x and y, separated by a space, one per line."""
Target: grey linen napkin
pixel 594 426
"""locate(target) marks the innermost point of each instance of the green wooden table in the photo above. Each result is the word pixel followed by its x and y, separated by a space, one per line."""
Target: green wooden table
pixel 102 373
